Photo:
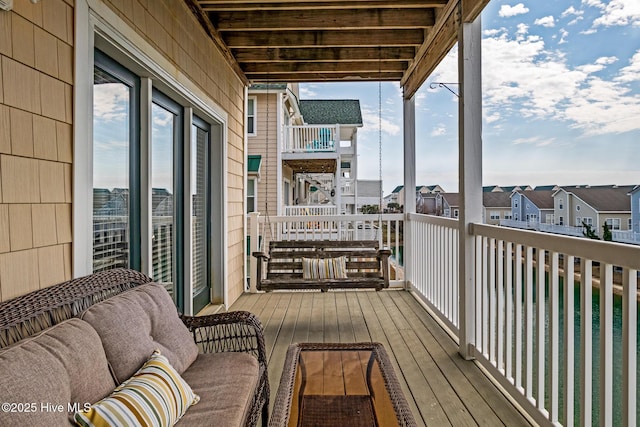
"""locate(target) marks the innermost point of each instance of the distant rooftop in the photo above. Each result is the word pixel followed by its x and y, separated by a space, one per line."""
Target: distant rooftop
pixel 329 112
pixel 499 199
pixel 605 198
pixel 268 86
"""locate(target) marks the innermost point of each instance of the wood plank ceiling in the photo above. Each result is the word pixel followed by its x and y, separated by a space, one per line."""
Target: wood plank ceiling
pixel 335 40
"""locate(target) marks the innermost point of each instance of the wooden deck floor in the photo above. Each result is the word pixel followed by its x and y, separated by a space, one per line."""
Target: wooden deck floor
pixel 441 387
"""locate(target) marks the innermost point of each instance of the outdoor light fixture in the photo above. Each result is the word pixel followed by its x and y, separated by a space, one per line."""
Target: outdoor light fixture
pixel 6 4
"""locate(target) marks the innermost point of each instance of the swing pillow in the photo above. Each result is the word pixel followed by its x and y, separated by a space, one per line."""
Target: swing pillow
pixel 324 268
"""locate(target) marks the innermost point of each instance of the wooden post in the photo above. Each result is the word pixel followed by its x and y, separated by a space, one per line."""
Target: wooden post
pixel 409 116
pixel 470 175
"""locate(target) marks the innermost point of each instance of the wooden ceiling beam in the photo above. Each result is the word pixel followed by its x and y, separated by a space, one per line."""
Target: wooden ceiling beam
pixel 324 77
pixel 353 38
pixel 234 6
pixel 324 67
pixel 342 19
pixel 325 54
pixel 436 46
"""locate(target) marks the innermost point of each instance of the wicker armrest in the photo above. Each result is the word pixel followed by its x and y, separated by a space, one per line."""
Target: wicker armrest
pixel 238 331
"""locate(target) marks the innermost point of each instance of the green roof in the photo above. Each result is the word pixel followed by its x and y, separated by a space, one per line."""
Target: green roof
pixel 398 188
pixel 330 112
pixel 253 163
pixel 268 86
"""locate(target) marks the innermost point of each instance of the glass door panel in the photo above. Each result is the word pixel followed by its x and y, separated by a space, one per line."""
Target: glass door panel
pixel 200 178
pixel 111 159
pixel 163 247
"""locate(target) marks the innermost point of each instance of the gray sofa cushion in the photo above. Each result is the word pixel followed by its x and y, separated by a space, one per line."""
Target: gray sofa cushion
pixel 134 323
pixel 226 383
pixel 61 365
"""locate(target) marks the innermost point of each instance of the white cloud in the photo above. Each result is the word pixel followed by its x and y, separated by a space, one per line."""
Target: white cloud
pixel 547 21
pixel 522 29
pixel 616 12
pixel 372 122
pixel 571 11
pixel 493 117
pixel 507 11
pixel 439 130
pixel 522 77
pixel 563 36
pixel 535 140
pixel 307 91
pixel 631 73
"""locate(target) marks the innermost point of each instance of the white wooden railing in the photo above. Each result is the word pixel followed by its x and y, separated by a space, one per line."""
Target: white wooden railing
pixel 310 210
pixel 434 264
pixel 526 331
pixel 348 186
pixel 540 369
pixel 311 138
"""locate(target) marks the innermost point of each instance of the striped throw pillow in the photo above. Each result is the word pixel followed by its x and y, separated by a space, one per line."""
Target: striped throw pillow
pixel 324 268
pixel 156 395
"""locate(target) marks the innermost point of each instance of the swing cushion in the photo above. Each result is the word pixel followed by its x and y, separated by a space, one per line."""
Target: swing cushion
pixel 324 268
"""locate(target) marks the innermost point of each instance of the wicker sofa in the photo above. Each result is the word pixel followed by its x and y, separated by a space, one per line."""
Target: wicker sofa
pixel 71 344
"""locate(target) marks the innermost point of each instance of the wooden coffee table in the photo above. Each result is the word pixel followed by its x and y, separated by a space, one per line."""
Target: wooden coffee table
pixel 338 384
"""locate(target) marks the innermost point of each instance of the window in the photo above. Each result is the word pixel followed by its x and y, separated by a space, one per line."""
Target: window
pixel 629 224
pixel 252 128
pixel 578 221
pixel 560 204
pixel 549 218
pixel 560 220
pixel 587 220
pixel 251 195
pixel 507 215
pixel 456 213
pixel 116 215
pixel 152 199
pixel 578 208
pixel 515 202
pixel 613 223
pixel 494 215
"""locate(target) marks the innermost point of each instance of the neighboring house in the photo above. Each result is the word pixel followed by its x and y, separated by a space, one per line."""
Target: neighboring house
pixel 501 189
pixel 532 206
pixel 635 209
pixel 427 201
pixel 396 196
pixel 450 203
pixel 308 151
pixel 593 205
pixel 496 207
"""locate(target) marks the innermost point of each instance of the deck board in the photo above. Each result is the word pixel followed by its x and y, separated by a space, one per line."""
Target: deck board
pixel 442 389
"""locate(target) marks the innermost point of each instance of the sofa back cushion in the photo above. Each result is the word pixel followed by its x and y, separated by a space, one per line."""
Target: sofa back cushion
pixel 62 366
pixel 134 323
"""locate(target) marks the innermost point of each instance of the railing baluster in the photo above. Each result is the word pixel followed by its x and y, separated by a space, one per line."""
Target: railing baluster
pixel 629 346
pixel 569 340
pixel 540 327
pixel 500 306
pixel 492 300
pixel 606 344
pixel 518 284
pixel 485 299
pixel 529 322
pixel 509 311
pixel 586 341
pixel 554 336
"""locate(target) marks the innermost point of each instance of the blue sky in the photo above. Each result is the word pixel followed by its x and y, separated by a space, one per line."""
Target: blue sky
pixel 561 85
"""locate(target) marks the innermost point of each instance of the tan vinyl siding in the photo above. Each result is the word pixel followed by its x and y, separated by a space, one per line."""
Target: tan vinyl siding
pixel 36 63
pixel 267 187
pixel 36 145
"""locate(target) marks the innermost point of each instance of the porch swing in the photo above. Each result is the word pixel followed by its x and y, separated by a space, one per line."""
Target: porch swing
pixel 340 263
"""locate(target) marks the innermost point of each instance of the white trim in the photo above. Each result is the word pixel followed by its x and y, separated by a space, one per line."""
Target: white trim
pixel 187 273
pixel 82 246
pixel 125 45
pixel 146 220
pixel 279 142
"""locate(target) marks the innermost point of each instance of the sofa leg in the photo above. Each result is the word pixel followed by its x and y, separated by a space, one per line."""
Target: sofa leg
pixel 265 415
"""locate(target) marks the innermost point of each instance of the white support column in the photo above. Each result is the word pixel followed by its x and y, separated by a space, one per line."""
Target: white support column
pixel 409 116
pixel 338 187
pixel 469 174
